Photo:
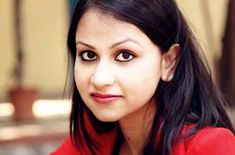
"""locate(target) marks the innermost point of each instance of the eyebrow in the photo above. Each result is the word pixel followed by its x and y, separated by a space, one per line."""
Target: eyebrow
pixel 85 44
pixel 113 45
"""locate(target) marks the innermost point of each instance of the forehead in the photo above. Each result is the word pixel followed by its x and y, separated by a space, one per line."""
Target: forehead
pixel 95 23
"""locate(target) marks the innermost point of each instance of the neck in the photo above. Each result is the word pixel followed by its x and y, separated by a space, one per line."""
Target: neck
pixel 136 128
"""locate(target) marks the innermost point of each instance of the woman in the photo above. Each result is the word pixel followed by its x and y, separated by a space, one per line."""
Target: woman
pixel 140 84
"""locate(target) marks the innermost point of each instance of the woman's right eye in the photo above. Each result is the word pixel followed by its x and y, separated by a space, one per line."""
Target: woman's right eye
pixel 88 55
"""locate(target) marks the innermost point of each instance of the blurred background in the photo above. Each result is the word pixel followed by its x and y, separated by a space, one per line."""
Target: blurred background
pixel 34 102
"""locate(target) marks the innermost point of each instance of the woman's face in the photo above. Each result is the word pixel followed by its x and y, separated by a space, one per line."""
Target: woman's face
pixel 117 67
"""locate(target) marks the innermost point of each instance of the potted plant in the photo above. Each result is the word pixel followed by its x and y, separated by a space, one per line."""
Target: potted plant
pixel 21 97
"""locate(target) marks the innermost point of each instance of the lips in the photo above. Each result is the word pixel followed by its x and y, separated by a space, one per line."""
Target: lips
pixel 104 98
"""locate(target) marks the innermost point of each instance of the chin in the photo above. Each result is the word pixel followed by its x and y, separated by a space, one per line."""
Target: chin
pixel 106 118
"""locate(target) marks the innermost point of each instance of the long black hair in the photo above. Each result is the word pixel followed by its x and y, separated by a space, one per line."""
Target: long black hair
pixel 189 98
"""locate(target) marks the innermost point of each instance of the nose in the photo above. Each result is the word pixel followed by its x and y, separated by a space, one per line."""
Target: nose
pixel 102 76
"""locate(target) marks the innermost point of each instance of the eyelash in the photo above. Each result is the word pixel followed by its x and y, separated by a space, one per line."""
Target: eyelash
pixel 124 51
pixel 81 54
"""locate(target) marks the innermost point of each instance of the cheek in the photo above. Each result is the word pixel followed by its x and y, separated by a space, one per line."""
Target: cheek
pixel 139 83
pixel 142 72
pixel 77 75
pixel 81 77
pixel 143 88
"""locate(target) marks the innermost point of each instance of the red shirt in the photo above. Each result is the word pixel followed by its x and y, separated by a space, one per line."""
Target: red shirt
pixel 207 141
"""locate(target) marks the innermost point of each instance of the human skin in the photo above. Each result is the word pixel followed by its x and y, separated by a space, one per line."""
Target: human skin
pixel 117 70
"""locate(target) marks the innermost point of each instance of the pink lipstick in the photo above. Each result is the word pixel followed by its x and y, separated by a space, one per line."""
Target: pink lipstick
pixel 104 98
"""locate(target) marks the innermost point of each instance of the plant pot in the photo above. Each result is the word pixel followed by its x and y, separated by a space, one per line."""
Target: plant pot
pixel 22 100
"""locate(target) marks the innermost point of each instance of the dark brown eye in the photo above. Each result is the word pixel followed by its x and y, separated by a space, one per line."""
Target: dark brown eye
pixel 124 56
pixel 88 55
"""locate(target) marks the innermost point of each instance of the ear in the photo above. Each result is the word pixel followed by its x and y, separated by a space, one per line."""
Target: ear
pixel 169 63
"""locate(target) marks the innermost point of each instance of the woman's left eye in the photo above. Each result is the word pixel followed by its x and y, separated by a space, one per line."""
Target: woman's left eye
pixel 124 56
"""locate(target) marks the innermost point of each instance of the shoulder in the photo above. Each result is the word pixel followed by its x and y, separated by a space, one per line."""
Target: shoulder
pixel 66 148
pixel 211 140
pixel 105 142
